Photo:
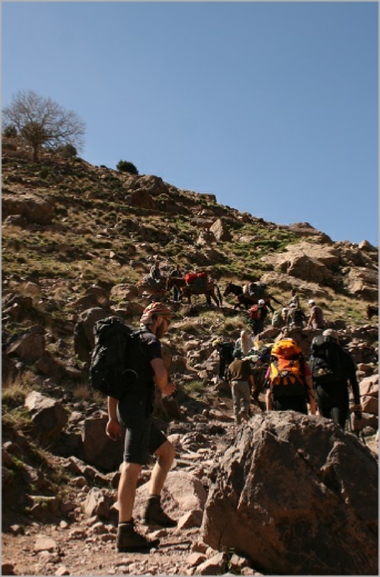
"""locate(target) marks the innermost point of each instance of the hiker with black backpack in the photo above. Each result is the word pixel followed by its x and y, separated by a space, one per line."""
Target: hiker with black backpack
pixel 142 438
pixel 289 382
pixel 225 350
pixel 332 368
pixel 296 317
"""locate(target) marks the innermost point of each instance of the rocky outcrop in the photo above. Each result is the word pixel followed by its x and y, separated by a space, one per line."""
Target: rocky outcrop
pixel 362 282
pixel 304 229
pixel 304 489
pixel 28 348
pixel 47 414
pixel 220 231
pixel 96 448
pixel 338 266
pixel 308 261
pixel 369 394
pixel 33 209
pixel 84 331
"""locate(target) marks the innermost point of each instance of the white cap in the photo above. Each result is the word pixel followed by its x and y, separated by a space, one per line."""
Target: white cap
pixel 261 302
pixel 311 302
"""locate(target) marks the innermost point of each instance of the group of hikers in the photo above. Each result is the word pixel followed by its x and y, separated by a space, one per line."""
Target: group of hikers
pixel 289 382
pixel 291 315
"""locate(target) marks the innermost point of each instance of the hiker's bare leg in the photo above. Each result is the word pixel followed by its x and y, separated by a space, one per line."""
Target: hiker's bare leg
pixel 165 455
pixel 126 493
pixel 268 401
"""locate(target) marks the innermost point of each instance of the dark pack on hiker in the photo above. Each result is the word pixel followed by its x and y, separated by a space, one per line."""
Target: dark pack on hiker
pixel 109 373
pixel 287 370
pixel 264 355
pixel 298 317
pixel 325 361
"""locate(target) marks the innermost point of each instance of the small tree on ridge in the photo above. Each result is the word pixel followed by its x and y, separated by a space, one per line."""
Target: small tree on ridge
pixel 41 121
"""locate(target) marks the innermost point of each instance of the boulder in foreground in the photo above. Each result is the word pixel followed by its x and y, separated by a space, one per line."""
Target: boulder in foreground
pixel 298 496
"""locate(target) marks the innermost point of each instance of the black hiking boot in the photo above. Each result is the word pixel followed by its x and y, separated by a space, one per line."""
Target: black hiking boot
pixel 129 541
pixel 243 416
pixel 154 516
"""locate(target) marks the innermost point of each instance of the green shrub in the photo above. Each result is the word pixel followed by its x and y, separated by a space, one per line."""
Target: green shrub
pixel 125 166
pixel 194 388
pixel 67 151
pixel 44 173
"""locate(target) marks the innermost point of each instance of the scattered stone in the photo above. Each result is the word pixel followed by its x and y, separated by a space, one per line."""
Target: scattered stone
pixel 191 519
pixel 216 565
pixel 44 543
pixel 62 571
pixel 195 559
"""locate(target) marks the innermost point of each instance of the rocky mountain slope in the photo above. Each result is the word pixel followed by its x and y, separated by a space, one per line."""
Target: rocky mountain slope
pixel 77 239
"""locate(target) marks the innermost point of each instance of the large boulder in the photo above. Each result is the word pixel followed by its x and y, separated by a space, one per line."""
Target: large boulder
pixel 142 199
pixel 28 348
pixel 221 231
pixel 96 448
pixel 307 261
pixel 32 208
pixel 363 281
pixel 84 332
pixel 369 394
pixel 154 185
pixel 47 414
pixel 306 230
pixel 182 493
pixel 298 496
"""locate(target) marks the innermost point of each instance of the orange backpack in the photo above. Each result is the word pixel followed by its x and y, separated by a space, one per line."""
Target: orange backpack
pixel 287 374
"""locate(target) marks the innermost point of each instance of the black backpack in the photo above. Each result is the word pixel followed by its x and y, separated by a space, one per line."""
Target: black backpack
pixel 325 361
pixel 226 351
pixel 108 372
pixel 298 316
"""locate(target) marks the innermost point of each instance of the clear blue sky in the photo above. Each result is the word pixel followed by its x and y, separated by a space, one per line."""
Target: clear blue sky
pixel 271 106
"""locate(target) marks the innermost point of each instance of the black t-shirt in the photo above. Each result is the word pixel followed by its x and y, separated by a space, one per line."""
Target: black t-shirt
pixel 144 348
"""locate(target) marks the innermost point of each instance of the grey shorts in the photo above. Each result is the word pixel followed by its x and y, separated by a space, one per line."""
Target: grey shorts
pixel 142 437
